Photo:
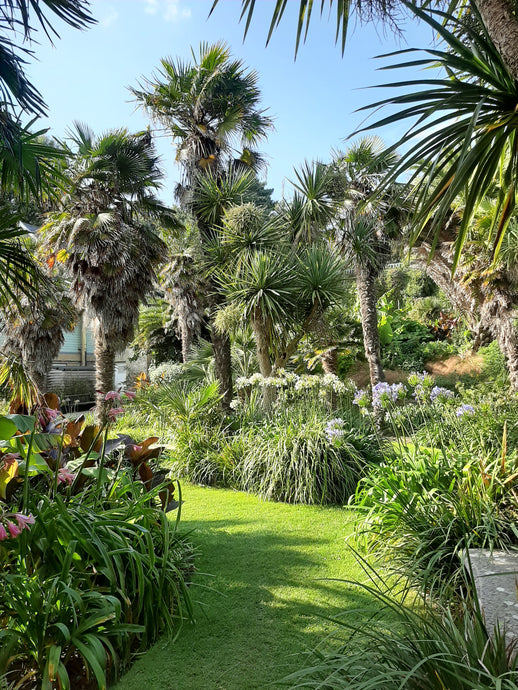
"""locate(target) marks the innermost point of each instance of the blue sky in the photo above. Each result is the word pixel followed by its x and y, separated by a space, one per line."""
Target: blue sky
pixel 85 76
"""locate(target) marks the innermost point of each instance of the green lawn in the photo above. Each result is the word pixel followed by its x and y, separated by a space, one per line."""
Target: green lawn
pixel 261 607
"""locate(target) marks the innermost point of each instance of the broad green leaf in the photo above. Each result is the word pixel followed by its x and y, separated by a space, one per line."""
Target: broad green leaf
pixel 23 422
pixel 7 428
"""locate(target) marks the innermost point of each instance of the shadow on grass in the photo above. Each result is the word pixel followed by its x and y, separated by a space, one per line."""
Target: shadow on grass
pixel 264 604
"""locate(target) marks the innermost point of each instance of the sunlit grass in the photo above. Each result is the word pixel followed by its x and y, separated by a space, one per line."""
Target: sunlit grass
pixel 261 608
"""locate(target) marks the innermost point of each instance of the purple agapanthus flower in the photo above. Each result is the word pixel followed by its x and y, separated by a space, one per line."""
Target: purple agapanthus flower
pixel 438 393
pixel 465 411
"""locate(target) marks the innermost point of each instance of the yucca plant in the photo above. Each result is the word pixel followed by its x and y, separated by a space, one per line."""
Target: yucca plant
pixel 465 132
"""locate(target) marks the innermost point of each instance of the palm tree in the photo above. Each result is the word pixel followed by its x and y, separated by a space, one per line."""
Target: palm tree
pixel 33 329
pixel 183 291
pixel 364 228
pixel 466 130
pixel 210 106
pixel 104 238
pixel 281 292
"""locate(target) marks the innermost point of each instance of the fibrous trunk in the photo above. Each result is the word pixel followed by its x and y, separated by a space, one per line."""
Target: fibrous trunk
pixel 365 283
pixel 502 26
pixel 488 308
pixel 262 344
pixel 222 365
pixel 104 374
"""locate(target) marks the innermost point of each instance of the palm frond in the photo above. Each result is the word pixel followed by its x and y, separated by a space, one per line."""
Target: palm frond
pixel 464 137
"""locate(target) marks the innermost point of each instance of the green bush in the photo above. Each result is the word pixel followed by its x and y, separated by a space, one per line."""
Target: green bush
pixel 494 369
pixel 92 569
pixel 425 505
pixel 88 579
pixel 405 351
pixel 307 459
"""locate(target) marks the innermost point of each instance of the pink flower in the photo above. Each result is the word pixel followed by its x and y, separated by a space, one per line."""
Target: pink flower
pixel 51 414
pixel 114 412
pixel 113 395
pixel 3 532
pixel 130 394
pixel 65 476
pixel 14 530
pixel 24 520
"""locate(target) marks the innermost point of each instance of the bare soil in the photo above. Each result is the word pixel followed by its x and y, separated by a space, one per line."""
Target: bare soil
pixel 451 367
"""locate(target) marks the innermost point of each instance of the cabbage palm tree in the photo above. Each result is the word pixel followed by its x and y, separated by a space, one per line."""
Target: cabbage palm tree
pixel 104 237
pixel 465 137
pixel 211 107
pixel 282 293
pixel 363 229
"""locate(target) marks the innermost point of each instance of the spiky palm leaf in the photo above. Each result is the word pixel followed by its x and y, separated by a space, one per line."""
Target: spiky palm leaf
pixel 19 273
pixel 465 134
pixel 313 206
pixel 321 278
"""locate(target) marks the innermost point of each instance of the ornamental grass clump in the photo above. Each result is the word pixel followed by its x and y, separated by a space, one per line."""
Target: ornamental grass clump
pixel 397 646
pixel 307 459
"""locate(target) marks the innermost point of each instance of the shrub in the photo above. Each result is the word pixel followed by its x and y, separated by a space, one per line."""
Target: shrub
pixel 405 349
pixel 91 567
pixel 424 506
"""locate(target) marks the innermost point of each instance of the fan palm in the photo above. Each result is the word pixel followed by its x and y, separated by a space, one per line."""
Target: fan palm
pixel 211 106
pixel 106 241
pixel 33 329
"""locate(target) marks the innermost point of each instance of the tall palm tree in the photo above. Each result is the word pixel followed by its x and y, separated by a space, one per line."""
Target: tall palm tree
pixel 363 229
pixel 211 106
pixel 104 238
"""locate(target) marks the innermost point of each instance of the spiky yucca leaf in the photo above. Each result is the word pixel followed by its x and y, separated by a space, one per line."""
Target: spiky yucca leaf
pixel 464 139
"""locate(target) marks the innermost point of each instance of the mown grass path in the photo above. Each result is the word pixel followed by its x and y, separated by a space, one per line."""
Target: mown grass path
pixel 271 567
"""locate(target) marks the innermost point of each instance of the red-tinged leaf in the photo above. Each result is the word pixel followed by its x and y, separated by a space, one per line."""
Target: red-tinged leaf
pixel 146 475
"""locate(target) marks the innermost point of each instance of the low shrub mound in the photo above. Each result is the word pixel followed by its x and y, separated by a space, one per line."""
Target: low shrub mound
pixel 305 460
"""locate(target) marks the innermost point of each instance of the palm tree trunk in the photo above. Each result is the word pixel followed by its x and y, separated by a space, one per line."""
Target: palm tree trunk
pixel 222 366
pixel 104 374
pixel 187 339
pixel 330 361
pixel 488 308
pixel 365 283
pixel 262 345
pixel 498 315
pixel 502 26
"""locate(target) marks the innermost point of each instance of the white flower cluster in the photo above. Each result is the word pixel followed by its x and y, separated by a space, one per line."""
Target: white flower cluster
pixel 167 372
pixel 287 380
